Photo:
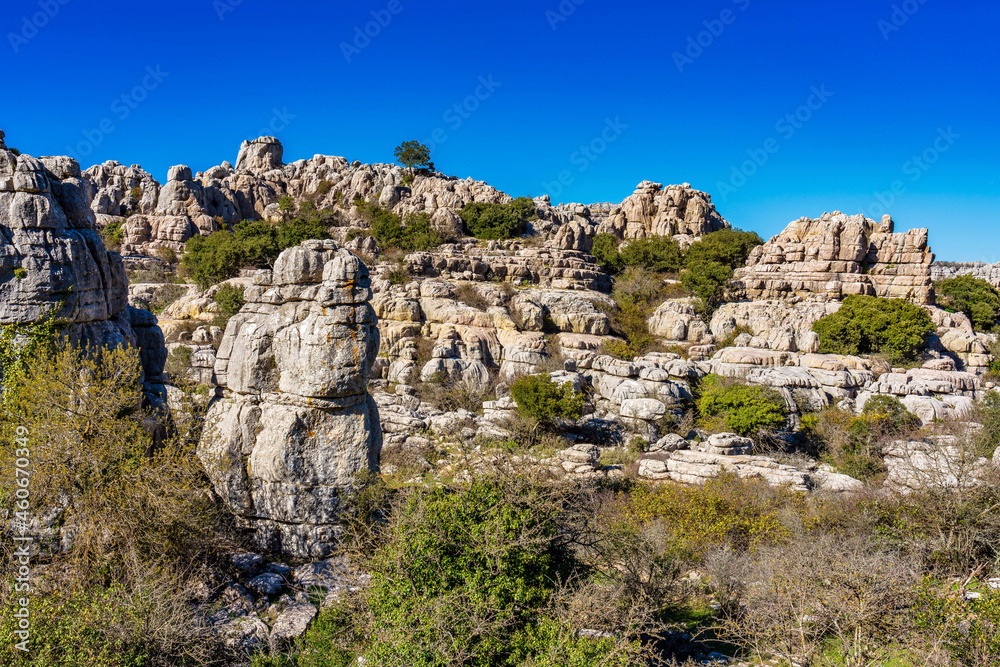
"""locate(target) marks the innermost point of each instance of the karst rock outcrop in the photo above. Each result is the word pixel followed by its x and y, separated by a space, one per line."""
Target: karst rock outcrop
pixel 678 210
pixel 53 264
pixel 837 255
pixel 297 423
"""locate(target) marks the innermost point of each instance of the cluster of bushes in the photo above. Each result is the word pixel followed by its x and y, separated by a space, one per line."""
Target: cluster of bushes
pixel 637 293
pixel 978 299
pixel 390 232
pixel 872 325
pixel 707 266
pixel 140 524
pixel 252 244
pixel 498 221
pixel 744 409
pixel 854 445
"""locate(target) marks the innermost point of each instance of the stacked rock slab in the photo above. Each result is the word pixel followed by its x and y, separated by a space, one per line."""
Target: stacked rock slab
pixel 54 264
pixel 653 211
pixel 837 255
pixel 296 423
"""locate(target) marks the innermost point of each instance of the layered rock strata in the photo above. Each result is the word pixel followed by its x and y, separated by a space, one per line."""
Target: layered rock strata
pixel 296 423
pixel 838 255
pixel 53 264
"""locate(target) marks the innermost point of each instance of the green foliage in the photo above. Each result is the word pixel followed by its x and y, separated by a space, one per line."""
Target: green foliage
pixel 637 293
pixel 464 577
pixel 498 221
pixel 286 204
pixel 728 511
pixel 869 325
pixel 20 343
pixel 988 414
pixel 414 156
pixel 728 247
pixel 541 399
pixel 14 151
pixel 978 299
pixel 746 409
pixel 656 253
pixel 252 243
pixel 605 251
pixel 707 281
pixel 389 231
pixel 970 628
pixel 112 234
pixel 20 273
pixel 229 299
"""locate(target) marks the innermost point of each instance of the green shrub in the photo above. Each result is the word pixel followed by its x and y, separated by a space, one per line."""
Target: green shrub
pixel 464 576
pixel 656 253
pixel 112 234
pixel 729 247
pixel 252 243
pixel 286 204
pixel 978 299
pixel 637 293
pixel 709 264
pixel 541 399
pixel 869 325
pixel 746 409
pixel 390 232
pixel 605 251
pixel 229 299
pixel 20 273
pixel 498 221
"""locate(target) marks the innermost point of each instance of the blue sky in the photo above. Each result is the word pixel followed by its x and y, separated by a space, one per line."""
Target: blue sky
pixel 778 109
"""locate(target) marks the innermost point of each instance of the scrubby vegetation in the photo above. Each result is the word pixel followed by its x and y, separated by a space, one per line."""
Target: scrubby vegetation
pixel 709 264
pixel 498 221
pixel 140 526
pixel 390 232
pixel 872 325
pixel 637 293
pixel 252 244
pixel 978 299
pixel 230 299
pixel 544 401
pixel 741 408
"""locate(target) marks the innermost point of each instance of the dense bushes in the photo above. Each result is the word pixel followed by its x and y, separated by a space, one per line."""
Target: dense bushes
pixel 138 516
pixel 870 325
pixel 744 409
pixel 710 262
pixel 498 221
pixel 978 299
pixel 252 243
pixel 545 401
pixel 637 293
pixel 479 575
pixel 230 299
pixel 391 232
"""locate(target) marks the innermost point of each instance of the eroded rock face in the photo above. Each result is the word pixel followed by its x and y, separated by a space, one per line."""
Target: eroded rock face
pixel 653 211
pixel 837 255
pixel 296 423
pixel 54 264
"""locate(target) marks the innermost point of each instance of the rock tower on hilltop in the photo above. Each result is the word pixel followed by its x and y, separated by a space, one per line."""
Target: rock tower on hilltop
pixel 837 255
pixel 297 422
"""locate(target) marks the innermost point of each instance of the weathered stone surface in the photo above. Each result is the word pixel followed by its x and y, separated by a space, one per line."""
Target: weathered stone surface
pixel 655 211
pixel 837 255
pixel 297 422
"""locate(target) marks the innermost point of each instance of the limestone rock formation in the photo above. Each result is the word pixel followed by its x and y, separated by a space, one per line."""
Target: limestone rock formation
pixel 837 255
pixel 945 270
pixel 54 264
pixel 678 210
pixel 297 422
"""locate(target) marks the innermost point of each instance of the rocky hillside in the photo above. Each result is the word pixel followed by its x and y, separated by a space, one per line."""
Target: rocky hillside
pixel 688 351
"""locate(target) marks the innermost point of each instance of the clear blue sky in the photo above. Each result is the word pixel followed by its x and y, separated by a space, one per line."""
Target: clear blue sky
pixel 608 68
